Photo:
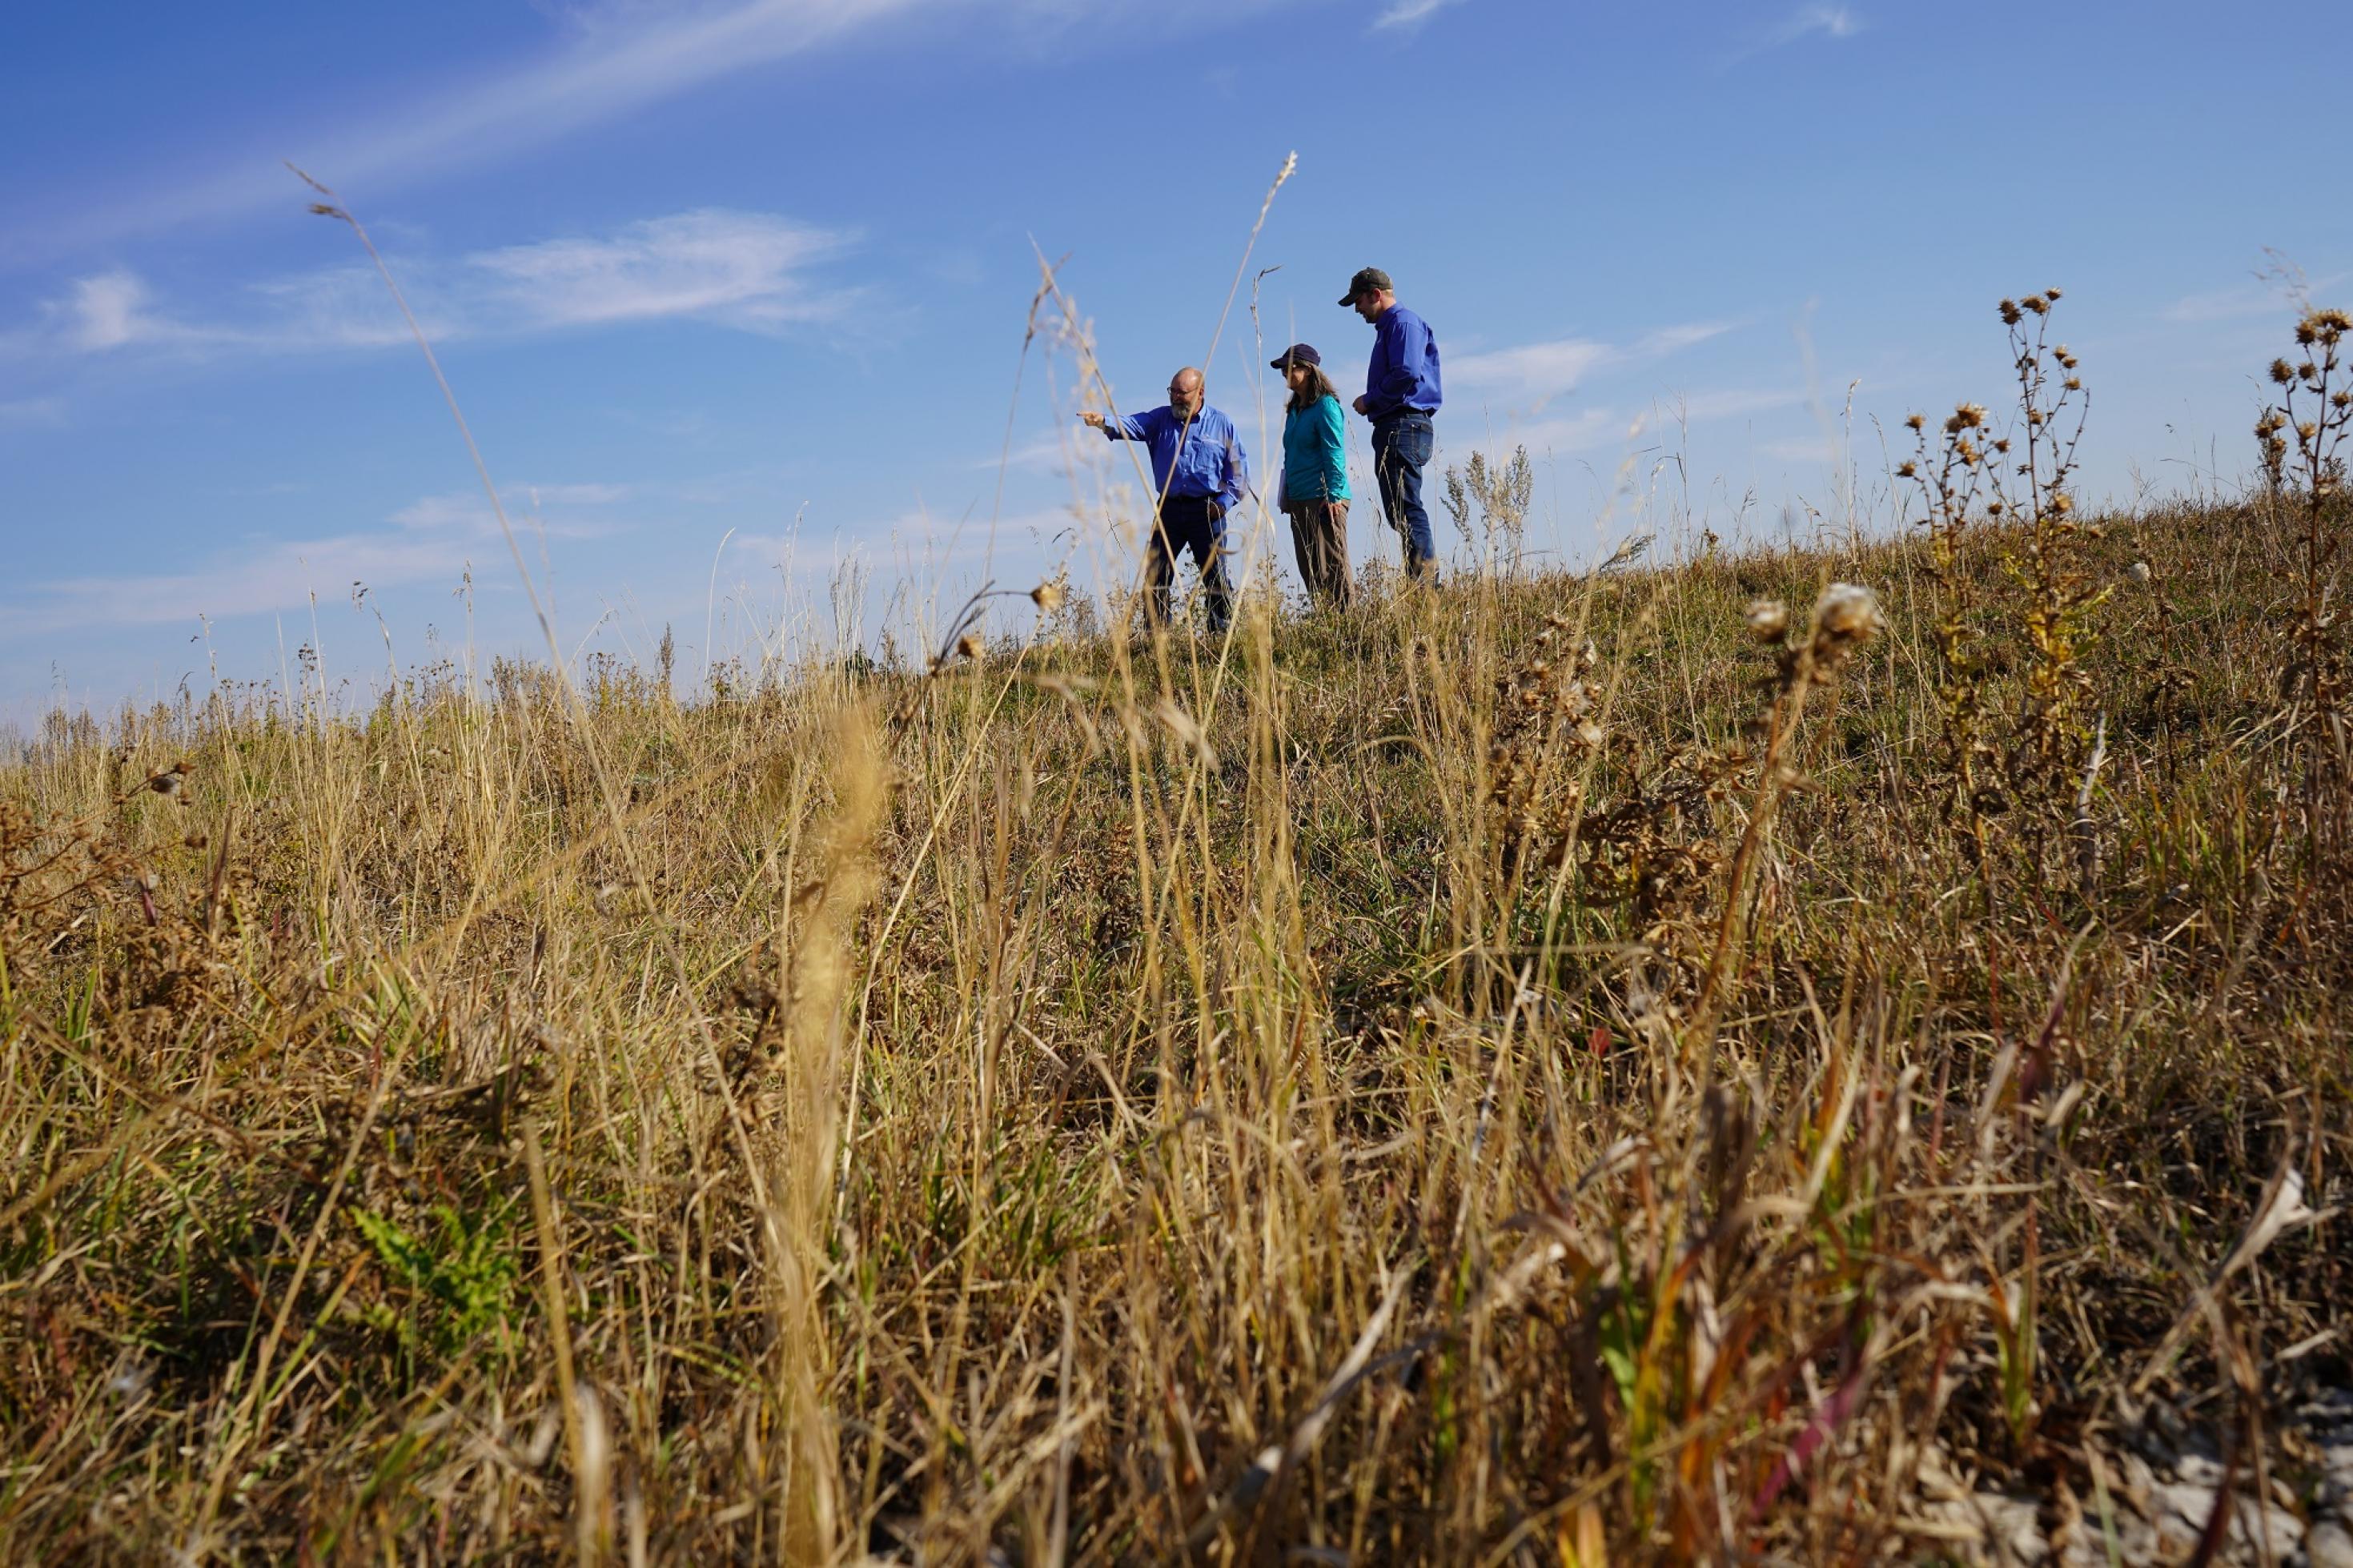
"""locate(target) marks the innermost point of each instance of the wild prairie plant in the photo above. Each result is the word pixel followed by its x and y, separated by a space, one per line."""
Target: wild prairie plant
pixel 2301 440
pixel 1952 477
pixel 1846 619
pixel 1496 496
pixel 2012 489
pixel 2059 597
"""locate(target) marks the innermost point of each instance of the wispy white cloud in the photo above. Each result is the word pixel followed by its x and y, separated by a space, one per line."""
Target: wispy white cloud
pixel 1803 449
pixel 103 314
pixel 1534 373
pixel 1047 452
pixel 745 270
pixel 1829 21
pixel 1689 334
pixel 1817 19
pixel 470 510
pixel 749 271
pixel 1602 427
pixel 1729 403
pixel 576 495
pixel 916 536
pixel 615 68
pixel 1407 14
pixel 2261 297
pixel 590 19
pixel 274 577
pixel 431 538
pixel 1587 430
pixel 616 58
pixel 110 310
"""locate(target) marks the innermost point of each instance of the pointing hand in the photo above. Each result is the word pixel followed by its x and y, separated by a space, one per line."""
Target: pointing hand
pixel 1093 419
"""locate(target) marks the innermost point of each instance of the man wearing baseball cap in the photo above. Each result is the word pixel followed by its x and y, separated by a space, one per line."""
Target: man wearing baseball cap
pixel 1401 393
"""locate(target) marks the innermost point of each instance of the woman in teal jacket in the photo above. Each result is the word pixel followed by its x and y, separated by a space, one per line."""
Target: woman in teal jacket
pixel 1315 475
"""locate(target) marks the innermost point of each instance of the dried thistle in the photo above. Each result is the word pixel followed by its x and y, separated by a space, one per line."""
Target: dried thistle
pixel 2300 441
pixel 1845 616
pixel 1769 620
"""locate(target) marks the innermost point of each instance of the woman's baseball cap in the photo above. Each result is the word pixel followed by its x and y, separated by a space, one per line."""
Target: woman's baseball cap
pixel 1297 353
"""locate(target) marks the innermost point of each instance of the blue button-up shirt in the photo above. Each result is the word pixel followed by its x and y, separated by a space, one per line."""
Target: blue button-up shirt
pixel 1404 372
pixel 1202 459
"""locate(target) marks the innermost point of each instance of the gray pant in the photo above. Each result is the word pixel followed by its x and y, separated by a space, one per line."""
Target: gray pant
pixel 1319 532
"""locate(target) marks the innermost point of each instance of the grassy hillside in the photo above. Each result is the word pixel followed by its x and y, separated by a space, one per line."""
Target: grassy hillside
pixel 1680 1061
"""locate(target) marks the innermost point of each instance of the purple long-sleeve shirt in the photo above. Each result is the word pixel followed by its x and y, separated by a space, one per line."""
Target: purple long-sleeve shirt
pixel 1404 371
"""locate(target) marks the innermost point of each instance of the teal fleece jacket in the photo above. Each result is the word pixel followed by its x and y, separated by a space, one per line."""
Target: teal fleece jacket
pixel 1315 453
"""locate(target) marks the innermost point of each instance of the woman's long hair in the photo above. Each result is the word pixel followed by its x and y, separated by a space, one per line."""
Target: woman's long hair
pixel 1319 387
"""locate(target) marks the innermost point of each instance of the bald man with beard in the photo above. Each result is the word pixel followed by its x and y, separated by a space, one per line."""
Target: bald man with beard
pixel 1199 474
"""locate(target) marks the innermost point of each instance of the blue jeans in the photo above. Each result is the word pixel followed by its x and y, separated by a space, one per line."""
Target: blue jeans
pixel 1195 523
pixel 1402 444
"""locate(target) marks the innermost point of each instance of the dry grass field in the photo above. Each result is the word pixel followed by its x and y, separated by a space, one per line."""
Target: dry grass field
pixel 1789 1056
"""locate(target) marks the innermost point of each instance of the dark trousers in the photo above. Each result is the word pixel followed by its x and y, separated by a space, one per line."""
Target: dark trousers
pixel 1319 532
pixel 1402 444
pixel 1196 523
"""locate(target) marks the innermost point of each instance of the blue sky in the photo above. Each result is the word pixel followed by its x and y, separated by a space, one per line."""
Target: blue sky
pixel 695 266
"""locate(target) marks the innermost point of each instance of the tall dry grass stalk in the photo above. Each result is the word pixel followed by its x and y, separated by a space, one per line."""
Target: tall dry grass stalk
pixel 806 1135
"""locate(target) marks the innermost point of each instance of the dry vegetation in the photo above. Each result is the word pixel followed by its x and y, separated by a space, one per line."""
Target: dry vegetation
pixel 1700 1062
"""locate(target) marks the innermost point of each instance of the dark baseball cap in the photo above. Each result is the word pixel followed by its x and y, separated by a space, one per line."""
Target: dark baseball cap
pixel 1297 353
pixel 1367 281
